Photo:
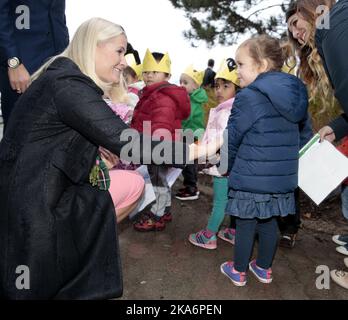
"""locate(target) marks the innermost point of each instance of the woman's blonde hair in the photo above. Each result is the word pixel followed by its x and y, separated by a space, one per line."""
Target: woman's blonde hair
pixel 82 50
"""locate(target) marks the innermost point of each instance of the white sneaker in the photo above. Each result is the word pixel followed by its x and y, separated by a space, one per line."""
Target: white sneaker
pixel 343 250
pixel 339 239
pixel 346 262
pixel 340 277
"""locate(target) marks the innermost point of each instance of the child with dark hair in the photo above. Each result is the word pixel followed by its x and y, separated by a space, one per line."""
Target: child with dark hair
pixel 163 106
pixel 226 86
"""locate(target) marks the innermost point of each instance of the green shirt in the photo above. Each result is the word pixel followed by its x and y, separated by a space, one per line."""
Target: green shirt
pixel 196 118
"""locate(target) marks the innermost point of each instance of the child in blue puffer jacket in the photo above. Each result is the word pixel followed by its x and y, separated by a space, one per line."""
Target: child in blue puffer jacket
pixel 263 146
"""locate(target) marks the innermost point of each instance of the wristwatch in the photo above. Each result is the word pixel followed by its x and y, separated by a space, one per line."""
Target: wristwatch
pixel 13 62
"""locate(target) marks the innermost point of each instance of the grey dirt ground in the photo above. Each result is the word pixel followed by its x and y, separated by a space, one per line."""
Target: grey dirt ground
pixel 164 265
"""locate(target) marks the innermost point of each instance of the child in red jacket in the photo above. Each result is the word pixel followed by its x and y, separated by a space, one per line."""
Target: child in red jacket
pixel 163 106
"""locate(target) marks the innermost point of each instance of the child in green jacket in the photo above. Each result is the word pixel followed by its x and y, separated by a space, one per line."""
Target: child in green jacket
pixel 191 80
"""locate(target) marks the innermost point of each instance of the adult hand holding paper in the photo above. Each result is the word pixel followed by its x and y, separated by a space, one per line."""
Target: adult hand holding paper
pixel 322 168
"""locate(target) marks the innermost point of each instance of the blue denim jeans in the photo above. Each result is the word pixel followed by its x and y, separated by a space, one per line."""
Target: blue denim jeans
pixel 344 198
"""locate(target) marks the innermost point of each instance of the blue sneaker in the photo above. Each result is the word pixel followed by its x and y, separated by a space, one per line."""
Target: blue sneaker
pixel 203 239
pixel 238 278
pixel 263 275
pixel 228 234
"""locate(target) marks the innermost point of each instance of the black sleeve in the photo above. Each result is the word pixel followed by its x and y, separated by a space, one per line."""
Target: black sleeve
pixel 8 46
pixel 334 52
pixel 82 108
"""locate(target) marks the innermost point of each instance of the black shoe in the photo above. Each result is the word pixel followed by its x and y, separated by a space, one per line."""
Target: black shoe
pixel 287 240
pixel 187 194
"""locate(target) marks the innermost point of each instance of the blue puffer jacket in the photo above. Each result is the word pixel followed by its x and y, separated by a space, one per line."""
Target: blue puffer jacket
pixel 268 124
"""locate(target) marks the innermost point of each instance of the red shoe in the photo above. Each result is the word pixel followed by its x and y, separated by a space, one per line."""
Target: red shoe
pixel 167 217
pixel 150 224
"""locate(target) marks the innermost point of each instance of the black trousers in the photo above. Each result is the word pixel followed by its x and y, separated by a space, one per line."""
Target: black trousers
pixel 190 176
pixel 8 96
pixel 291 223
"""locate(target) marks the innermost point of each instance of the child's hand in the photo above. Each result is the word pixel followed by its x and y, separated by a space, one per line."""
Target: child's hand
pixel 205 151
pixel 110 159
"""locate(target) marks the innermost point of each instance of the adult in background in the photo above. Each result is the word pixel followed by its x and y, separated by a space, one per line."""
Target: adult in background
pixel 209 75
pixel 30 32
pixel 208 84
pixel 289 225
pixel 319 30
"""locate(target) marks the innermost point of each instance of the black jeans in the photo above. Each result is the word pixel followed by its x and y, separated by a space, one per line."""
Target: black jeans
pixel 190 177
pixel 233 222
pixel 267 231
pixel 8 96
pixel 291 223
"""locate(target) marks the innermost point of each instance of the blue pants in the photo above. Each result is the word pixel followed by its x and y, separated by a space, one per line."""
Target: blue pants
pixel 246 230
pixel 344 198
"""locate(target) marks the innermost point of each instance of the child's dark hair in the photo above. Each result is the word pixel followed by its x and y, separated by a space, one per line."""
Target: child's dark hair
pixel 227 82
pixel 266 47
pixel 129 71
pixel 158 57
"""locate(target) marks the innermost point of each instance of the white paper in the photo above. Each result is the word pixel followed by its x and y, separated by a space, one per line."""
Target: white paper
pixel 149 194
pixel 322 168
pixel 172 175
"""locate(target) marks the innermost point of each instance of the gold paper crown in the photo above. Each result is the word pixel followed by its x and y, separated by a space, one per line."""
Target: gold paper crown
pixel 138 68
pixel 150 63
pixel 225 73
pixel 197 76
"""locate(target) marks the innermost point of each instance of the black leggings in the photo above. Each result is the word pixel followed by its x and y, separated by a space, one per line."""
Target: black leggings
pixel 267 230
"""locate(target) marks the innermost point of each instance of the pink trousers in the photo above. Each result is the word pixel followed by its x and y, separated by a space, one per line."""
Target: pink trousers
pixel 126 187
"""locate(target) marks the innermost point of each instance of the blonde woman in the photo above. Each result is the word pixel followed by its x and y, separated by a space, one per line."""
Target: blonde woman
pixel 53 221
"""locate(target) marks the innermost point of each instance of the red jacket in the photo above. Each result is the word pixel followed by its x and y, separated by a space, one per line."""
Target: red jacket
pixel 343 147
pixel 165 105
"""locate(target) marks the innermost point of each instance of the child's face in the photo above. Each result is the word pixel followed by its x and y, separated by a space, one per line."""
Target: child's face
pixel 188 83
pixel 130 79
pixel 152 77
pixel 224 90
pixel 247 69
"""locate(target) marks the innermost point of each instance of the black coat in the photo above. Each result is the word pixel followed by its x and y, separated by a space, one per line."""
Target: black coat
pixel 332 44
pixel 51 219
pixel 209 78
